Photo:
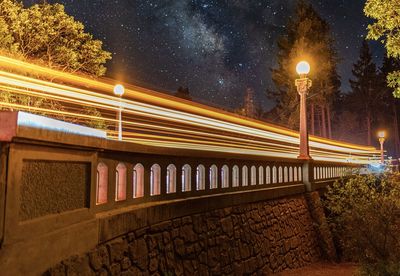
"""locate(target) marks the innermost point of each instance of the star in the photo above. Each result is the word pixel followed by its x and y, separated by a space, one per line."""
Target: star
pixel 209 45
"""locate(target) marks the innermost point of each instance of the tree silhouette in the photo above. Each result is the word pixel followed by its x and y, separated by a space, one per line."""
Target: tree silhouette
pixel 183 92
pixel 366 96
pixel 308 37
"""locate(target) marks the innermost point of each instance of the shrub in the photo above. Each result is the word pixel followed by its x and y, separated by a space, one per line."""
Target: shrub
pixel 364 218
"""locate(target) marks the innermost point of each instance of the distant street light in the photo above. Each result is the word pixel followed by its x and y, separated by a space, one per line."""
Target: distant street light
pixel 382 136
pixel 119 90
pixel 303 84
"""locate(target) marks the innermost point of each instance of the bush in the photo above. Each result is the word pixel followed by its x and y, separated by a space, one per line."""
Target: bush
pixel 364 218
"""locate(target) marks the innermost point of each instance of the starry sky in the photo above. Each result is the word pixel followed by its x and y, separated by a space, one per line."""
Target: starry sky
pixel 217 48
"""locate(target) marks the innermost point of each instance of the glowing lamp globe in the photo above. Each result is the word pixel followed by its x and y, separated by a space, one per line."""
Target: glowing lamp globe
pixel 119 90
pixel 381 134
pixel 303 68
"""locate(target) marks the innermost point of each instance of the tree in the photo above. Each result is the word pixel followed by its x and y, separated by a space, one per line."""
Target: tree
pixel 183 93
pixel 308 37
pixel 386 28
pixel 366 96
pixel 47 35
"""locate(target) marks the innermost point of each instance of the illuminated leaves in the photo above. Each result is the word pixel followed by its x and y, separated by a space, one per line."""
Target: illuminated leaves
pixel 386 28
pixel 47 35
pixel 45 32
pixel 364 218
pixel 394 82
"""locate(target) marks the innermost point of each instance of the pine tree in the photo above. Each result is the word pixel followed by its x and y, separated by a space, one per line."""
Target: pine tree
pixel 183 93
pixel 307 37
pixel 365 98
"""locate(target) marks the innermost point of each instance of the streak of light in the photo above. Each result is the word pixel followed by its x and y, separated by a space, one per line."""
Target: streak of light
pixel 152 118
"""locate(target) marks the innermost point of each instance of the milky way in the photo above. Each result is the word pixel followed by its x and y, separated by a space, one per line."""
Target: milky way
pixel 216 48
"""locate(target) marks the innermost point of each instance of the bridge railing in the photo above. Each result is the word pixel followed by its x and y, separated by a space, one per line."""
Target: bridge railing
pixel 154 178
pixel 139 178
pixel 323 171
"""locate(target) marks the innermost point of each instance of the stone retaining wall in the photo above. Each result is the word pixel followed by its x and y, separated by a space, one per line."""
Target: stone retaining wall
pixel 263 237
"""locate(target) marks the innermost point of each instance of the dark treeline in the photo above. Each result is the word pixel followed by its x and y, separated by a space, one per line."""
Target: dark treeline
pixel 354 115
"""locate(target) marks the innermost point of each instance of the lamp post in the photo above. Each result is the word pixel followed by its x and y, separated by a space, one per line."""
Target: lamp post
pixel 381 136
pixel 303 84
pixel 119 90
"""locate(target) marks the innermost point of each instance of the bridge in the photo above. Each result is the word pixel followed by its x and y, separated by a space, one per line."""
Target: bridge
pixel 190 189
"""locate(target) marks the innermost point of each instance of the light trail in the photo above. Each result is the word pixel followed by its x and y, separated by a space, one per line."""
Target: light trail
pixel 154 112
pixel 151 118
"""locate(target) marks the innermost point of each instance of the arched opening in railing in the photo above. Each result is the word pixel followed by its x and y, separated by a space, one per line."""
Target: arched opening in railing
pixel 285 175
pixel 260 175
pixel 101 184
pixel 186 178
pixel 299 173
pixel 245 176
pixel 225 176
pixel 155 180
pixel 213 177
pixel 120 182
pixel 268 175
pixel 235 176
pixel 280 174
pixel 321 174
pixel 138 181
pixel 171 179
pixel 274 175
pixel 200 177
pixel 290 174
pixel 253 175
pixel 295 174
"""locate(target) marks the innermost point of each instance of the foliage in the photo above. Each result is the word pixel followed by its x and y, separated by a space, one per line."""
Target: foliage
pixel 46 34
pixel 386 28
pixel 308 37
pixel 365 218
pixel 370 105
pixel 97 121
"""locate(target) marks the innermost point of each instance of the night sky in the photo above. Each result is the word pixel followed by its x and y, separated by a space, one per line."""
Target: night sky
pixel 216 48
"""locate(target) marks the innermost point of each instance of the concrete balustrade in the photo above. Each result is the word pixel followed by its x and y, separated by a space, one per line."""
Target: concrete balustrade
pixel 222 177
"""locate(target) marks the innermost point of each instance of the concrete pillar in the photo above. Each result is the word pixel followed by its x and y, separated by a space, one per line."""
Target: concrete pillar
pixel 306 175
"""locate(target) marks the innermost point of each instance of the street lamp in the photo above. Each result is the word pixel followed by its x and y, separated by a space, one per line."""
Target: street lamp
pixel 119 90
pixel 382 136
pixel 303 84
